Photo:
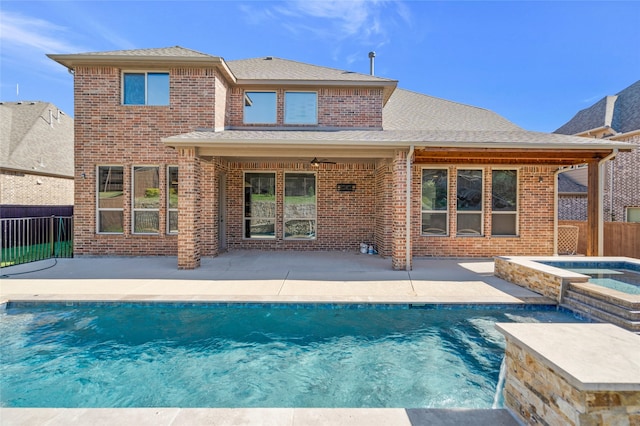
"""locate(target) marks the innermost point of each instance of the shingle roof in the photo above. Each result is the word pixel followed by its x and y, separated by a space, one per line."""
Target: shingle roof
pixel 626 114
pixel 28 142
pixel 174 51
pixel 408 110
pixel 620 112
pixel 566 184
pixel 437 138
pixel 272 68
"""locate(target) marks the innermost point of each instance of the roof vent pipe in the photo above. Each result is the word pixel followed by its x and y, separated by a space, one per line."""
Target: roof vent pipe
pixel 372 55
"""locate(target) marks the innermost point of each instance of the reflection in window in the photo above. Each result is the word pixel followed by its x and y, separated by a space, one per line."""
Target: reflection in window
pixel 172 200
pixel 435 214
pixel 504 202
pixel 259 205
pixel 469 202
pixel 146 200
pixel 260 107
pixel 146 88
pixel 300 206
pixel 110 199
pixel 300 108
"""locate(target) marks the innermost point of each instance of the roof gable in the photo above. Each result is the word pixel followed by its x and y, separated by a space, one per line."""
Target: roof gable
pixel 620 112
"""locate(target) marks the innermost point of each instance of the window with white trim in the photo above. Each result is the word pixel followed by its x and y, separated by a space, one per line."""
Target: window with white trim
pixel 300 108
pixel 145 183
pixel 172 200
pixel 632 214
pixel 300 206
pixel 504 202
pixel 259 205
pixel 469 203
pixel 110 200
pixel 145 88
pixel 435 202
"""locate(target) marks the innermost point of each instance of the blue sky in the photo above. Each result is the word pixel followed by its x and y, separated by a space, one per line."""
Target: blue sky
pixel 536 63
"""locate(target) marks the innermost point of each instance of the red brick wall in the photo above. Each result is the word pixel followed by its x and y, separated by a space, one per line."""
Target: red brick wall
pixel 345 219
pixel 109 133
pixel 345 107
pixel 536 214
pixel 384 208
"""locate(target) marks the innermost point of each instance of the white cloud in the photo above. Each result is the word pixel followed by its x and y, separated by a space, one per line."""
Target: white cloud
pixel 366 22
pixel 33 34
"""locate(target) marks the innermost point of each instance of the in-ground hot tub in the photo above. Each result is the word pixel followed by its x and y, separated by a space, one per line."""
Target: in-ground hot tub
pixel 580 292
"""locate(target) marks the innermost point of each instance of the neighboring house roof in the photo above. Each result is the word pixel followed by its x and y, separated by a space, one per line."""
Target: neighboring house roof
pixel 573 181
pixel 408 110
pixel 36 137
pixel 620 112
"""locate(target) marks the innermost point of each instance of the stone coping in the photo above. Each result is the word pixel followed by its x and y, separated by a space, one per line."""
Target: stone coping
pixel 591 357
pixel 575 278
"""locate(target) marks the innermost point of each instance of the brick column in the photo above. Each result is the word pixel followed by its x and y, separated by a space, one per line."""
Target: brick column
pixel 399 213
pixel 189 235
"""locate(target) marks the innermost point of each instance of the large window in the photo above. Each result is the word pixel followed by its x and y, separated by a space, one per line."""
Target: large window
pixel 435 189
pixel 504 202
pixel 110 200
pixel 469 194
pixel 172 200
pixel 260 108
pixel 300 206
pixel 259 205
pixel 146 88
pixel 301 108
pixel 146 200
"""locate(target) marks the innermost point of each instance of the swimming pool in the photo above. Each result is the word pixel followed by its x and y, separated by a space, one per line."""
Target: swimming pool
pixel 254 355
pixel 616 275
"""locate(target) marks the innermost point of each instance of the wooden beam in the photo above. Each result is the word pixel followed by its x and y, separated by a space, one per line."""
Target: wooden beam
pixel 513 156
pixel 593 207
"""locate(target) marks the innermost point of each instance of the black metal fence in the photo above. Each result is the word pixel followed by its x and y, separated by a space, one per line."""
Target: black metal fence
pixel 27 239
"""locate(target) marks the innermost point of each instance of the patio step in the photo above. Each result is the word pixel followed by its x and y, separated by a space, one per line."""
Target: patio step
pixel 603 308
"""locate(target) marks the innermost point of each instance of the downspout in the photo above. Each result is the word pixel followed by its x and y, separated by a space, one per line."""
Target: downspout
pixel 601 165
pixel 408 211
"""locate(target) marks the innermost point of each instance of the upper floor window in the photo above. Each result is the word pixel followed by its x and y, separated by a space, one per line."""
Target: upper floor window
pixel 146 88
pixel 300 108
pixel 260 108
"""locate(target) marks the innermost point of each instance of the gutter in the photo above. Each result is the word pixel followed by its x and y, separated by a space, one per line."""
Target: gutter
pixel 408 253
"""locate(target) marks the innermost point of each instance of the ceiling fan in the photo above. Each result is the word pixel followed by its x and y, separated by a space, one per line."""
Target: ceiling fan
pixel 315 162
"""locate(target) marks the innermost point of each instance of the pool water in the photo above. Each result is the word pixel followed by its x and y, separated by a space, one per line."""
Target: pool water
pixel 239 355
pixel 620 276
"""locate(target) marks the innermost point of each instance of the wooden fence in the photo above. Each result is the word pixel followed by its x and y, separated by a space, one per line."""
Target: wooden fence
pixel 620 238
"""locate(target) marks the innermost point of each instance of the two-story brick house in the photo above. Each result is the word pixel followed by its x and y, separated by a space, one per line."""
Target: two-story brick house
pixel 616 118
pixel 182 153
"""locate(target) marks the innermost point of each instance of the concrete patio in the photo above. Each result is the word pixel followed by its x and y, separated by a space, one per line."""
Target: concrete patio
pixel 243 276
